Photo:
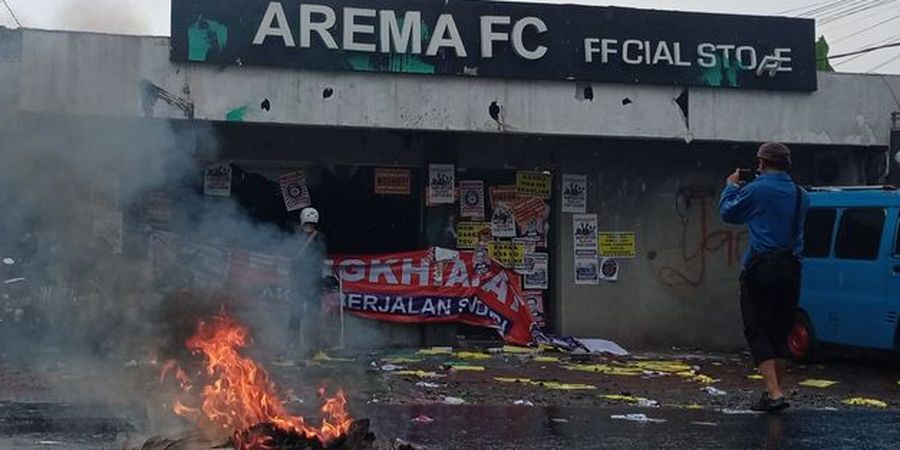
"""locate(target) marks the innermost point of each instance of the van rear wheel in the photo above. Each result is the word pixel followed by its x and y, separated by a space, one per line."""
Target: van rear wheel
pixel 802 340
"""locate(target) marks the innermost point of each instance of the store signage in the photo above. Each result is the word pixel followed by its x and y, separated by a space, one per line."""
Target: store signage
pixel 500 39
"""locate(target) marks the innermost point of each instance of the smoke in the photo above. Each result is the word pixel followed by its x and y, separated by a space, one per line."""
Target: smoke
pixel 112 16
pixel 84 199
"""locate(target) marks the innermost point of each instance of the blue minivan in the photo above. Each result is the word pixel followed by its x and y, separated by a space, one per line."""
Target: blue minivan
pixel 850 292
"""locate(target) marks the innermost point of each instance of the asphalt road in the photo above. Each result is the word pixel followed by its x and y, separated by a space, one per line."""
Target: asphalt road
pixel 49 426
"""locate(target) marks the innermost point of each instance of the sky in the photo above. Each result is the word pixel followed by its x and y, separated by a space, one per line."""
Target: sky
pixel 848 25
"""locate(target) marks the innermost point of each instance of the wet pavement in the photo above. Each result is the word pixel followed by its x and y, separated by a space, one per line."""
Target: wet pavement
pixel 49 426
pixel 508 427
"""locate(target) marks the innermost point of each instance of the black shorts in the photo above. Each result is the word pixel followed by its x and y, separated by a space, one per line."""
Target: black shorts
pixel 768 312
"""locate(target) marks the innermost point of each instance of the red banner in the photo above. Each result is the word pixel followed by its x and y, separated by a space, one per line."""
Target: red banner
pixel 424 286
pixel 417 287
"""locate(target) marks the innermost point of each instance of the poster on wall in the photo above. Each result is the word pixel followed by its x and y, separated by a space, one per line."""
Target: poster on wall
pixel 617 244
pixel 526 209
pixel 535 302
pixel 609 269
pixel 503 224
pixel 469 233
pixel 441 182
pixel 586 270
pixel 584 235
pixel 534 231
pixel 471 199
pixel 294 191
pixel 539 278
pixel 217 180
pixel 584 232
pixel 392 181
pixel 508 253
pixel 534 184
pixel 574 193
pixel 503 194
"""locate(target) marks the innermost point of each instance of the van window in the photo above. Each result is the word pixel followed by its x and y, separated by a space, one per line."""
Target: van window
pixel 859 234
pixel 818 231
pixel 897 240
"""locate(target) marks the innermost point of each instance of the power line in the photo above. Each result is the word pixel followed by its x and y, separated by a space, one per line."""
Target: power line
pixel 869 28
pixel 871 44
pixel 884 64
pixel 9 8
pixel 859 52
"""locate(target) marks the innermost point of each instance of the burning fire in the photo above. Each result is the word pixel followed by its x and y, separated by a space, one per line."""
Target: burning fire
pixel 241 396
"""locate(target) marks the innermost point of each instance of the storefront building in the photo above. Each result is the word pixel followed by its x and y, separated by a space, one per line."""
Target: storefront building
pixel 637 124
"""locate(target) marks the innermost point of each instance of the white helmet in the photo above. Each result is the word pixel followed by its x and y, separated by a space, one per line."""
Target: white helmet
pixel 309 215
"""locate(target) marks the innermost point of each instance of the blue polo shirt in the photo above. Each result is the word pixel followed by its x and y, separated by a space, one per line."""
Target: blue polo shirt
pixel 767 206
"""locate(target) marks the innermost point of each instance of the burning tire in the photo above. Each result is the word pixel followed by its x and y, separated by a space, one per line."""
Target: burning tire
pixel 802 340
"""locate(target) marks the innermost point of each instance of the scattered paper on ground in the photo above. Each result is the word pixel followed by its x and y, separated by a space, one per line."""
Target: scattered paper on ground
pixel 862 401
pixel 454 400
pixel 545 359
pixel 516 349
pixel 512 380
pixel 640 401
pixel 391 367
pixel 754 377
pixel 472 355
pixel 436 351
pixel 817 383
pixel 705 379
pixel 467 368
pixel 427 384
pixel 706 424
pixel 713 391
pixel 642 418
pixel 563 386
pixel 417 373
pixel 401 360
pixel 607 369
pixel 423 419
pixel 523 403
pixel 603 346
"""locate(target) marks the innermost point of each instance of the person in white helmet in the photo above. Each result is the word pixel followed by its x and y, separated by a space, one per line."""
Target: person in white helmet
pixel 306 276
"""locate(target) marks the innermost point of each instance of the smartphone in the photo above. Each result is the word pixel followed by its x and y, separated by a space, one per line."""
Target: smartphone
pixel 746 175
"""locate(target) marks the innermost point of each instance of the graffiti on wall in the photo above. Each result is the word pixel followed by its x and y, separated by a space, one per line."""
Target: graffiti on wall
pixel 702 241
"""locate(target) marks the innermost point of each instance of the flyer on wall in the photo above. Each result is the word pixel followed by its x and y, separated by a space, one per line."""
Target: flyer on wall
pixel 539 276
pixel 441 183
pixel 574 193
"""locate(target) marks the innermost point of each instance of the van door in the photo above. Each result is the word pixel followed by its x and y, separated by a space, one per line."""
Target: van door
pixel 819 280
pixel 892 284
pixel 860 261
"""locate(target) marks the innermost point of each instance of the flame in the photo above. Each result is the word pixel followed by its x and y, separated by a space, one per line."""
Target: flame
pixel 241 395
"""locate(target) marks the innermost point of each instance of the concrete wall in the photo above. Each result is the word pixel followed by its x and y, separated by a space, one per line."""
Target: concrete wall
pixel 126 75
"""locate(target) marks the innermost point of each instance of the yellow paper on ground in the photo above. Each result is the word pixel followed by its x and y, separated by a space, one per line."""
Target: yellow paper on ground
pixel 512 380
pixel 545 359
pixel 754 377
pixel 606 369
pixel 817 383
pixel 436 351
pixel 472 355
pixel 705 379
pixel 416 373
pixel 624 398
pixel 401 360
pixel 544 347
pixel 662 366
pixel 469 368
pixel 517 349
pixel 862 401
pixel 563 386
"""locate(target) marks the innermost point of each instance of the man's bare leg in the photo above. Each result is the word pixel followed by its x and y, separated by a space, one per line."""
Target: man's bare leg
pixel 780 370
pixel 770 375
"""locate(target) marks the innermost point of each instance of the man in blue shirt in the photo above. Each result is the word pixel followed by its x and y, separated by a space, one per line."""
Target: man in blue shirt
pixel 774 210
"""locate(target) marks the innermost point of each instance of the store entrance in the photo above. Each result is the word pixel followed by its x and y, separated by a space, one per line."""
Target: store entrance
pixel 358 220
